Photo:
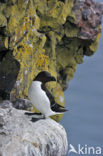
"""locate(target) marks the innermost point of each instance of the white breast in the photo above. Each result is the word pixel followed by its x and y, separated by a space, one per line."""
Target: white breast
pixel 39 98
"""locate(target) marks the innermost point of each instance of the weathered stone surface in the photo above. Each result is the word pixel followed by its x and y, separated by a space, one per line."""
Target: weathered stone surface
pixel 100 6
pixel 47 35
pixel 20 136
pixel 88 17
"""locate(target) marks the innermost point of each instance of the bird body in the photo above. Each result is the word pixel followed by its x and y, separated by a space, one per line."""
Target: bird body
pixel 41 98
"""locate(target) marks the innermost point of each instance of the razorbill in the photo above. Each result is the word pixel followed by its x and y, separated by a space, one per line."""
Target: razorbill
pixel 41 98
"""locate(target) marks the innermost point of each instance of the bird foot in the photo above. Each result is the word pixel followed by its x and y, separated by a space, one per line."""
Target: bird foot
pixel 35 116
pixel 30 113
pixel 37 119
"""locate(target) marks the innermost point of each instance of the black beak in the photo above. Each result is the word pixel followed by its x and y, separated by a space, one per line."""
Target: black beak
pixel 52 78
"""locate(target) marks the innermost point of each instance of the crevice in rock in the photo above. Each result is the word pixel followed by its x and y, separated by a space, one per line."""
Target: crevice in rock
pixel 2 1
pixel 9 68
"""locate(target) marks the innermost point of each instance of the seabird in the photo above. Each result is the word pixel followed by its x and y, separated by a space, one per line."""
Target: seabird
pixel 41 98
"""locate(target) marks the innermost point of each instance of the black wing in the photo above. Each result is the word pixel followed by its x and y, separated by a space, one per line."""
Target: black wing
pixel 54 106
pixel 51 98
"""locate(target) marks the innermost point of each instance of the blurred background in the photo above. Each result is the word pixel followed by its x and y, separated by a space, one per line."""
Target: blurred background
pixel 84 100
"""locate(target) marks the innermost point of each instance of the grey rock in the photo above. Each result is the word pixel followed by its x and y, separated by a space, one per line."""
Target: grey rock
pixel 88 18
pixel 100 6
pixel 19 136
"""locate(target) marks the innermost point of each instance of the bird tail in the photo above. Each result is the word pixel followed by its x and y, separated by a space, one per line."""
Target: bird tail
pixel 58 108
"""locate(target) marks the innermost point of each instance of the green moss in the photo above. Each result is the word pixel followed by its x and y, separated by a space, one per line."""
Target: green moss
pixel 43 35
pixel 94 46
pixel 3 20
pixel 71 30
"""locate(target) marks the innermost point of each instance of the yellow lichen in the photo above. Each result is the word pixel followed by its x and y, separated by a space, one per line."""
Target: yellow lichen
pixel 43 35
pixel 93 47
pixel 42 61
pixel 6 42
pixel 3 20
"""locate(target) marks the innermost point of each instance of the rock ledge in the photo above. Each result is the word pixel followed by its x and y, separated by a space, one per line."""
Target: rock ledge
pixel 19 136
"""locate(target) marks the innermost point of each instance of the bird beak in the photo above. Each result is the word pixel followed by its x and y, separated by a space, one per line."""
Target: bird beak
pixel 52 78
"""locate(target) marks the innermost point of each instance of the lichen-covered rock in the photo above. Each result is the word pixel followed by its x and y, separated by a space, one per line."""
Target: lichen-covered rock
pixel 46 35
pixel 20 136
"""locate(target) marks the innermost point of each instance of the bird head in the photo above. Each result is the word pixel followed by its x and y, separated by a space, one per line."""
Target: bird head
pixel 44 77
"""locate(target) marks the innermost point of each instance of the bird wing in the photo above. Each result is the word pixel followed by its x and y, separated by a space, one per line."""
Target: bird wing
pixel 54 106
pixel 50 96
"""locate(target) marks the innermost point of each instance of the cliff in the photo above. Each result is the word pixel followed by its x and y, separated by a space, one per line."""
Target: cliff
pixel 19 136
pixel 36 35
pixel 51 35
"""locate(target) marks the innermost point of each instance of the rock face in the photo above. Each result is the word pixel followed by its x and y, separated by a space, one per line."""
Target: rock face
pixel 19 136
pixel 49 35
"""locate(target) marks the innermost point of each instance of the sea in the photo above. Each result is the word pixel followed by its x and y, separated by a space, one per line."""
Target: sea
pixel 84 100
